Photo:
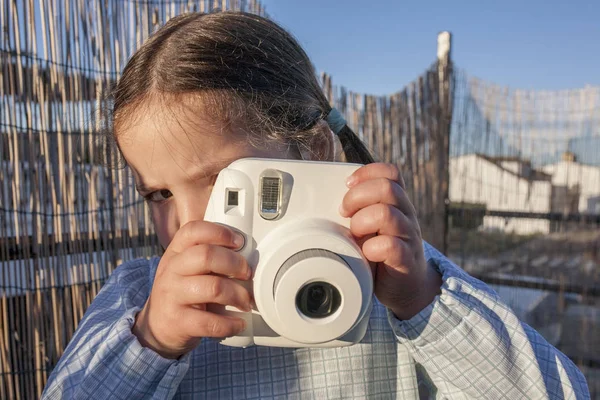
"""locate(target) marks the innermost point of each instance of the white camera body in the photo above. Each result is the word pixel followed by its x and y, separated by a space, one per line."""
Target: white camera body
pixel 312 285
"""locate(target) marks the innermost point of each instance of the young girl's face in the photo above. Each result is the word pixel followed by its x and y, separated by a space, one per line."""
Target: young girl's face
pixel 175 157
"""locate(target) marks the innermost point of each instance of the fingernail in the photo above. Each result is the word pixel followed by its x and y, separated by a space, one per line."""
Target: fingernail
pixel 238 240
pixel 249 274
pixel 242 325
pixel 351 181
pixel 342 210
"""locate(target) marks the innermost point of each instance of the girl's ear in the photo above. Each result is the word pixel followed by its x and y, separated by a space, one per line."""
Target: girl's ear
pixel 321 146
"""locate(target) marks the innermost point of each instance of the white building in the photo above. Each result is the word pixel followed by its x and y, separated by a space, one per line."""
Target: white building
pixel 510 184
pixel 502 184
pixel 582 180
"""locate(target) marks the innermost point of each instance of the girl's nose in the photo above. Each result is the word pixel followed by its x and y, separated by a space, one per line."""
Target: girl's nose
pixel 190 209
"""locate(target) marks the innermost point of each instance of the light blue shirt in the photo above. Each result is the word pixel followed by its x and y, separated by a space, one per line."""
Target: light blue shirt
pixel 466 344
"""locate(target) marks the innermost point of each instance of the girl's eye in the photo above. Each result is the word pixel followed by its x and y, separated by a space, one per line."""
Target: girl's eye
pixel 158 196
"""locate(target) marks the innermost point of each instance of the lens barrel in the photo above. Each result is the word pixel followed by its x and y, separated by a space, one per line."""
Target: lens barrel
pixel 318 300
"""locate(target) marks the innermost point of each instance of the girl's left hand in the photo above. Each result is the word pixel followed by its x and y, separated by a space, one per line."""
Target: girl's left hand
pixel 385 223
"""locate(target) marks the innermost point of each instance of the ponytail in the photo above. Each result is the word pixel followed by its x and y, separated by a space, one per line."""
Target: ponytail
pixel 354 149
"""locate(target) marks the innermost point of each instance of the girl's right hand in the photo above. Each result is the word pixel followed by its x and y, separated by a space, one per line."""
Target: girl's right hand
pixel 194 271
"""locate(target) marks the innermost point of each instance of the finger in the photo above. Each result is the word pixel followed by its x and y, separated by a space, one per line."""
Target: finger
pixel 391 251
pixel 374 171
pixel 203 259
pixel 379 190
pixel 201 232
pixel 200 323
pixel 205 289
pixel 383 219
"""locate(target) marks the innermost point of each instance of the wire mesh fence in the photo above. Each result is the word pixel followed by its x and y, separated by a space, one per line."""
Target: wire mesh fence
pixel 525 206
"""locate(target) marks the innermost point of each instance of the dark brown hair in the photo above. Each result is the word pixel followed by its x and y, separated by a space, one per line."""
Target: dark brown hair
pixel 251 71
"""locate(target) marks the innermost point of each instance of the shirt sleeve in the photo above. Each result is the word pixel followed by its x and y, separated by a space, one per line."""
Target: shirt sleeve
pixel 104 360
pixel 469 344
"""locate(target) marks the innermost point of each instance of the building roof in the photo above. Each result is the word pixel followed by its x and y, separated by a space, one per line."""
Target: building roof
pixel 533 175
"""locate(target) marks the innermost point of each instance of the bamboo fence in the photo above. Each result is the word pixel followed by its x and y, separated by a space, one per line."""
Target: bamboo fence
pixel 66 220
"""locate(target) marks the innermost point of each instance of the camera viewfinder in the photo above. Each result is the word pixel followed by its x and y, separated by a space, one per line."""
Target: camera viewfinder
pixel 232 198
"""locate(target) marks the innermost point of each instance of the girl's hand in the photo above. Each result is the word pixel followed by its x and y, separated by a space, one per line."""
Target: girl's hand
pixel 194 271
pixel 385 223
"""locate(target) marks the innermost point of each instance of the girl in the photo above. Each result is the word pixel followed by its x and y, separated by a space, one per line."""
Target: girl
pixel 204 91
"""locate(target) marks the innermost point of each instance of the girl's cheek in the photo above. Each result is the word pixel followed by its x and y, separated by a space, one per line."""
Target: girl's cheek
pixel 165 222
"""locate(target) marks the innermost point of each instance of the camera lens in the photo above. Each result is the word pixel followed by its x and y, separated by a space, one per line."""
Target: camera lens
pixel 318 300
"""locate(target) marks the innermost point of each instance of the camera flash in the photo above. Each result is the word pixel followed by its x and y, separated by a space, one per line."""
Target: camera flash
pixel 270 195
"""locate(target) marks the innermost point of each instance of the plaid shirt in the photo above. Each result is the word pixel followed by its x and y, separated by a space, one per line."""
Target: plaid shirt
pixel 466 344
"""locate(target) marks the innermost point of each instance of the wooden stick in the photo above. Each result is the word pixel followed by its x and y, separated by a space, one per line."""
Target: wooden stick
pixel 7 389
pixel 21 382
pixel 6 384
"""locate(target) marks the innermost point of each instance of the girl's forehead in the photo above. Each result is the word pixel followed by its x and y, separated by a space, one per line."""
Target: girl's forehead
pixel 177 127
pixel 165 139
pixel 159 142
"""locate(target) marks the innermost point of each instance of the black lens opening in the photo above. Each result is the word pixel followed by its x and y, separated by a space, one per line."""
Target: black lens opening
pixel 318 300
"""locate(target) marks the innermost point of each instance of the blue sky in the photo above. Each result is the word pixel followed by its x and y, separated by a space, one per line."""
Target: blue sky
pixel 379 46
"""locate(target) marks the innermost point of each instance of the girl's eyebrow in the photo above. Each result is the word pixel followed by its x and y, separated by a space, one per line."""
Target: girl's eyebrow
pixel 208 170
pixel 142 188
pixel 211 168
